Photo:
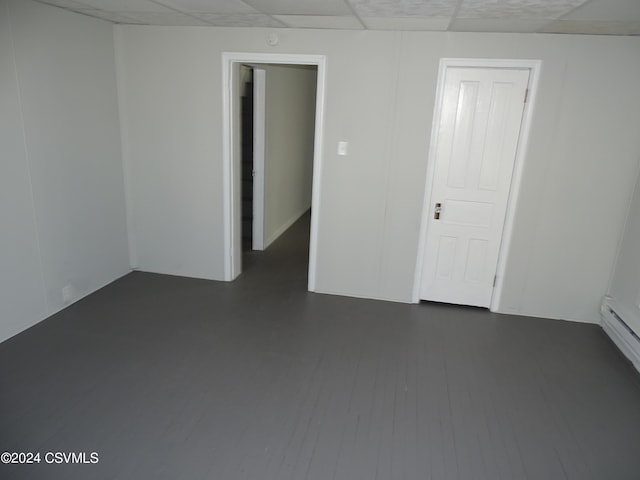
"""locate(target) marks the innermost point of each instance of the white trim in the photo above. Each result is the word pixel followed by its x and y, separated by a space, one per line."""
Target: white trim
pixel 534 66
pixel 259 130
pixel 317 170
pixel 231 266
pixel 52 311
pixel 227 160
pixel 549 316
pixel 422 236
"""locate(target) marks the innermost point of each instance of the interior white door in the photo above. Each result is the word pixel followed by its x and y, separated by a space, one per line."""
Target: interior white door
pixel 478 131
pixel 259 132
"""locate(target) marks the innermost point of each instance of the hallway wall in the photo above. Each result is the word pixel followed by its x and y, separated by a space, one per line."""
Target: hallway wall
pixel 290 123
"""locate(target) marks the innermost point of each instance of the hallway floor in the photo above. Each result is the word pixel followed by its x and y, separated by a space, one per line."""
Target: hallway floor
pixel 176 378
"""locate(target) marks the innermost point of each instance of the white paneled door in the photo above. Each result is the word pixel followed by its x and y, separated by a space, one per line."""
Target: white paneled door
pixel 476 141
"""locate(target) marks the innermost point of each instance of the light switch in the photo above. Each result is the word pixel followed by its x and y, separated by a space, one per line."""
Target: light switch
pixel 342 148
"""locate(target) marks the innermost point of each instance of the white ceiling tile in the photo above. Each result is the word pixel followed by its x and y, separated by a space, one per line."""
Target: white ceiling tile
pixel 320 21
pixel 162 18
pixel 209 6
pixel 240 20
pixel 613 17
pixel 64 3
pixel 623 10
pixel 404 8
pixel 524 9
pixel 407 23
pixel 125 5
pixel 109 16
pixel 301 7
pixel 498 25
pixel 593 27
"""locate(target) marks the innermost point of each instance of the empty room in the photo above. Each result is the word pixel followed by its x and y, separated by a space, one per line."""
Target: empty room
pixel 319 239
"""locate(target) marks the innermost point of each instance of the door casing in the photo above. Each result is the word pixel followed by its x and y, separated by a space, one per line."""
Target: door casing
pixel 534 66
pixel 231 190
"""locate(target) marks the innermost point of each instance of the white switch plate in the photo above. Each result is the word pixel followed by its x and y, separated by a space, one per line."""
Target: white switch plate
pixel 342 148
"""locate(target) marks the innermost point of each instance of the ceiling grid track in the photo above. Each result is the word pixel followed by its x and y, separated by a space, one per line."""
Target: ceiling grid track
pixel 589 17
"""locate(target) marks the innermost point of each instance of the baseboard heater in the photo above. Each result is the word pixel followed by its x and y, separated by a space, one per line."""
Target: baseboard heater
pixel 614 324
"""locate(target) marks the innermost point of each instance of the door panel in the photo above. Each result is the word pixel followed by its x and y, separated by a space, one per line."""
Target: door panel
pixel 478 132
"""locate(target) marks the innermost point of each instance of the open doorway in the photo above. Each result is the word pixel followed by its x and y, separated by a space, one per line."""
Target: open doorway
pixel 247 152
pixel 277 128
pixel 286 184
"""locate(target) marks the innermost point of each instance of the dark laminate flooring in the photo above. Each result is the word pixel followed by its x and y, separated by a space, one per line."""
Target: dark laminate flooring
pixel 176 378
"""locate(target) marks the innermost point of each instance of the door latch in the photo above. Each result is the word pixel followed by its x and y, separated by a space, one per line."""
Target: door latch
pixel 437 211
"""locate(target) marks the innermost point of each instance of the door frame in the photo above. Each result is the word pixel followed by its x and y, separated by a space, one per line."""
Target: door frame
pixel 534 67
pixel 231 186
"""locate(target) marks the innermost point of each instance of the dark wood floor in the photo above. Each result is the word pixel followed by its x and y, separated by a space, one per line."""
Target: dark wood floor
pixel 175 378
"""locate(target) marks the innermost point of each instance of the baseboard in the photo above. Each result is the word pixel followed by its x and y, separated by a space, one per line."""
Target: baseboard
pixel 85 294
pixel 51 312
pixel 284 227
pixel 547 316
pixel 360 296
pixel 181 275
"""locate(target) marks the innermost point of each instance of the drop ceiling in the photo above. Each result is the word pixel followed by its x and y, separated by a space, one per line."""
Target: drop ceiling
pixel 593 17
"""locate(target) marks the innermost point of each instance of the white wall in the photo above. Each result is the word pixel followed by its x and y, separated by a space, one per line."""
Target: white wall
pixel 625 284
pixel 22 299
pixel 62 212
pixel 172 122
pixel 290 123
pixel 380 90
